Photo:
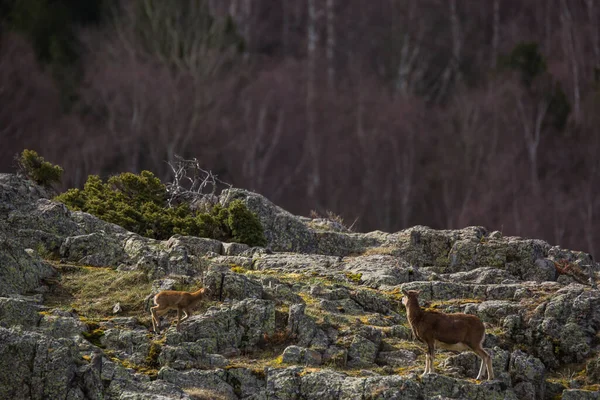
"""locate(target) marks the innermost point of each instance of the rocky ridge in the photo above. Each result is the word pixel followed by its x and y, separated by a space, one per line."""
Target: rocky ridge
pixel 315 314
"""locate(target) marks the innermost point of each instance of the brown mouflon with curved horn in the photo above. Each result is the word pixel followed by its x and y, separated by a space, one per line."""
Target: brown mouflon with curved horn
pixel 456 331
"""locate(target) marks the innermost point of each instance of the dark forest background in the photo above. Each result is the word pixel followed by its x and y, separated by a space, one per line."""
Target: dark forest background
pixel 390 113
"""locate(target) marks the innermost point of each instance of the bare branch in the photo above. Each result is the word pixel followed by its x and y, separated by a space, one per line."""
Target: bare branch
pixel 201 188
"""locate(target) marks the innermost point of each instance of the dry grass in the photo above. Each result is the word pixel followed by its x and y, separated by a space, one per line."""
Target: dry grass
pixel 93 291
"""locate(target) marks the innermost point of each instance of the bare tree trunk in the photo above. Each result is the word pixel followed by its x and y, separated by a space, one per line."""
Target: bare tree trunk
pixel 314 178
pixel 592 13
pixel 569 48
pixel 532 134
pixel 285 30
pixel 261 145
pixel 330 43
pixel 408 55
pixel 453 66
pixel 495 32
pixel 548 25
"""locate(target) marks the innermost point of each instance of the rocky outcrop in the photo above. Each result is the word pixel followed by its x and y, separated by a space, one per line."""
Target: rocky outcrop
pixel 316 314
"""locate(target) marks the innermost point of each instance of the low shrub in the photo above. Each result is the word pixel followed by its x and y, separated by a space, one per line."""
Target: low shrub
pixel 139 204
pixel 34 167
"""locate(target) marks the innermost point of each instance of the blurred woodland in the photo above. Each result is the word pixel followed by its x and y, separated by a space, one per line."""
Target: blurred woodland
pixel 390 113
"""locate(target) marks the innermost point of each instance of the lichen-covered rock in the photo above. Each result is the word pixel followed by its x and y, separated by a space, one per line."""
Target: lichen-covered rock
pixel 397 358
pixel 223 284
pixel 519 257
pixel 422 246
pixel 335 356
pixel 527 369
pixel 190 355
pixel 123 384
pixel 283 230
pixel 344 306
pixel 20 272
pixel 97 249
pixel 35 367
pixel 362 352
pixel 19 311
pixel 283 384
pixel 440 386
pixel 371 300
pixel 129 344
pixel 162 258
pixel 481 275
pixel 229 328
pixel 48 216
pixel 90 224
pixel 562 329
pixel 196 246
pixel 306 331
pixel 467 364
pixel 377 270
pixel 234 249
pixel 469 254
pixel 343 244
pixel 494 310
pixel 297 263
pixel 61 324
pixel 279 292
pixel 17 192
pixel 580 394
pixel 301 355
pixel 238 261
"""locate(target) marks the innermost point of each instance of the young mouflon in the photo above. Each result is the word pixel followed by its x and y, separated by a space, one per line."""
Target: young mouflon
pixel 167 300
pixel 455 331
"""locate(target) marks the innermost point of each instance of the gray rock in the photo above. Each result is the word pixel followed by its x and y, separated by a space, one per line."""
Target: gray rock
pixel 234 249
pixel 448 387
pixel 304 328
pixel 283 231
pixel 196 246
pixel 335 356
pixel 481 275
pixel 493 311
pixel 301 355
pixel 283 384
pixel 223 284
pixel 579 394
pixel 377 270
pixel 17 192
pixel 131 344
pixel 343 306
pixel 190 355
pixel 280 293
pixel 228 329
pixel 35 367
pixel 62 324
pixel 20 272
pixel 362 352
pixel 371 300
pixel 342 244
pixel 397 358
pixel 19 311
pixel 298 263
pixel 526 368
pixel 92 224
pixel 97 249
